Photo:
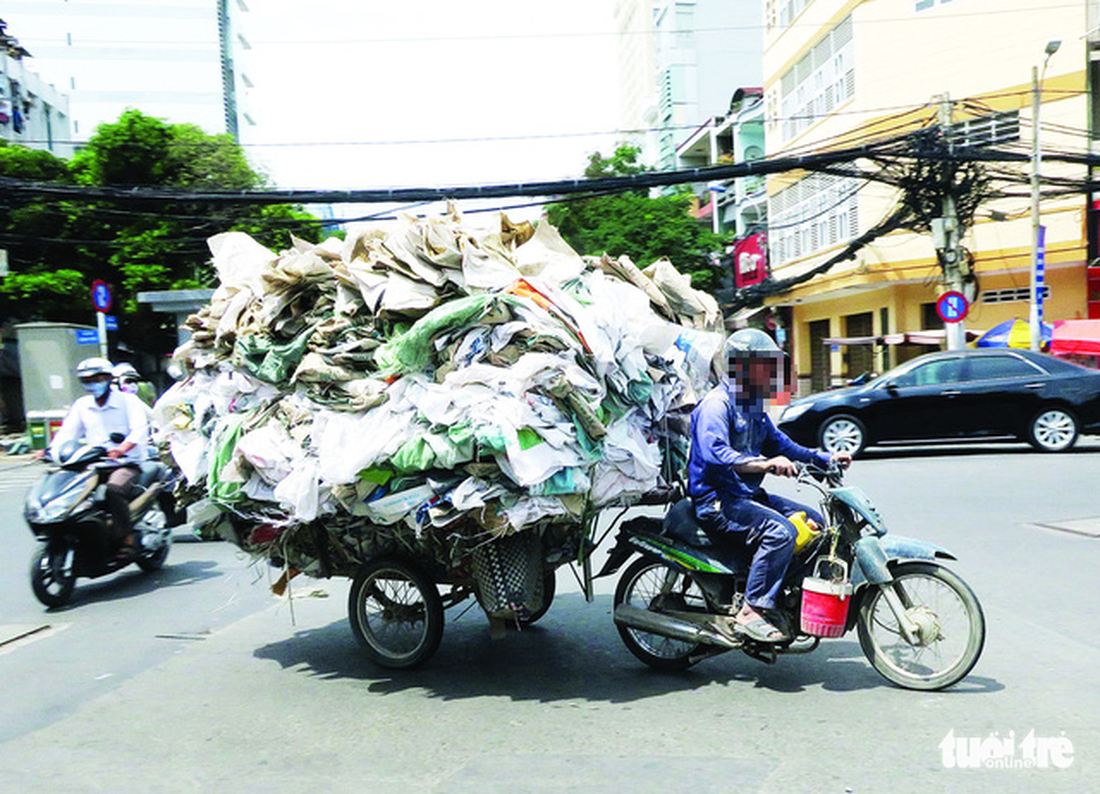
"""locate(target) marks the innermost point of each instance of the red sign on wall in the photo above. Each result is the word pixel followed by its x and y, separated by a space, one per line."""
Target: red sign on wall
pixel 750 260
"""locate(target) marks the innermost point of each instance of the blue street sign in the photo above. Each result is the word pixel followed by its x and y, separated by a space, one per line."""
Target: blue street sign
pixel 1040 270
pixel 87 336
pixel 111 322
pixel 952 307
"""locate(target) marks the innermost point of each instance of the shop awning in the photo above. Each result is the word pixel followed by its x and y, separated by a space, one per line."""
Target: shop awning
pixel 1076 337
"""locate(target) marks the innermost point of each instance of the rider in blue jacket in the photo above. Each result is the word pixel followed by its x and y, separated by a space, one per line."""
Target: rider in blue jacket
pixel 734 443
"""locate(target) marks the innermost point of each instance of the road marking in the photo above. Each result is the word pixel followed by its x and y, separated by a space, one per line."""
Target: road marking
pixel 1086 527
pixel 13 636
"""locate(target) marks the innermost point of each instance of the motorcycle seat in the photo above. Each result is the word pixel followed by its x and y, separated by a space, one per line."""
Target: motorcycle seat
pixel 680 523
pixel 149 472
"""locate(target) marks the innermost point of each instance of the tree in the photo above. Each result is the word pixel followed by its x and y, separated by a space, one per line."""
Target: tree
pixel 638 226
pixel 56 249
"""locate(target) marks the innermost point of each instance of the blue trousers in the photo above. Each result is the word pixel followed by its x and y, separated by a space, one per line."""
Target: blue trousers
pixel 758 524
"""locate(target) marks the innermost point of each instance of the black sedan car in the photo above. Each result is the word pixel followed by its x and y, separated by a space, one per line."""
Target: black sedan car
pixel 960 394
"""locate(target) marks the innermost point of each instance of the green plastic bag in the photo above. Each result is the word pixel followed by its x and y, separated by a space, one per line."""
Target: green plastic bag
pixel 220 491
pixel 269 361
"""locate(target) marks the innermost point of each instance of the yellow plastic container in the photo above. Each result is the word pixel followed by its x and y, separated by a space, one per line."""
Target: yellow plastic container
pixel 807 529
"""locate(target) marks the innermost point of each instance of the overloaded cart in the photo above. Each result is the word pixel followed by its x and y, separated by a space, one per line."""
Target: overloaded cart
pixel 432 409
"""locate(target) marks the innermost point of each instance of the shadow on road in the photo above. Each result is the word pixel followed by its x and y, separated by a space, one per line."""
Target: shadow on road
pixel 131 582
pixel 573 653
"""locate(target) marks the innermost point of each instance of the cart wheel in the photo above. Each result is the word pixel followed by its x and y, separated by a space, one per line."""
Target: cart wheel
pixel 396 613
pixel 549 585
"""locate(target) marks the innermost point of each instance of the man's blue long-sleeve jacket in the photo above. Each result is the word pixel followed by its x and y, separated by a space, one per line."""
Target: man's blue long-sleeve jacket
pixel 727 430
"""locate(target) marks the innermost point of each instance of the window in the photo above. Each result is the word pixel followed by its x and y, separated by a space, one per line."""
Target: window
pixel 1012 295
pixel 924 5
pixel 820 81
pixel 815 213
pixel 993 367
pixel 948 370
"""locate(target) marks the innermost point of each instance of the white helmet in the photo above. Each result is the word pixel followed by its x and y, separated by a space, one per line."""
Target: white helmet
pixel 126 370
pixel 90 367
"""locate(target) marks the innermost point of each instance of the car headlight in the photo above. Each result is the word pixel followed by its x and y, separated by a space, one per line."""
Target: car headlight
pixel 792 412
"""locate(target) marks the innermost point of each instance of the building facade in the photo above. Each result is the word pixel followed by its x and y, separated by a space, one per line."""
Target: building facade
pixel 32 112
pixel 679 60
pixel 734 207
pixel 839 73
pixel 179 60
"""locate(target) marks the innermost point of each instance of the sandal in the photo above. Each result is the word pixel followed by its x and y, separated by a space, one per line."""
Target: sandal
pixel 760 630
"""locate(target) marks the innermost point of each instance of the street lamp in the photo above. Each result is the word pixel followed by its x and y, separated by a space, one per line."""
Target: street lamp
pixel 1036 315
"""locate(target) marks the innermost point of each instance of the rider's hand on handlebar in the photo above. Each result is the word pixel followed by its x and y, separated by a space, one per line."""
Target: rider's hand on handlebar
pixel 841 459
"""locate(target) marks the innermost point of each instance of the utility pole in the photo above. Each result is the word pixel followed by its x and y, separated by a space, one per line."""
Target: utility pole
pixel 1038 243
pixel 947 235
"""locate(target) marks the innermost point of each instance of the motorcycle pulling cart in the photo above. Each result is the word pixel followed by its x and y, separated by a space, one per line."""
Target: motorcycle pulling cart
pixel 438 411
pixel 919 624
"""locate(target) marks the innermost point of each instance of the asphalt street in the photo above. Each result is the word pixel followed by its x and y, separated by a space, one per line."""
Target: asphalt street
pixel 196 677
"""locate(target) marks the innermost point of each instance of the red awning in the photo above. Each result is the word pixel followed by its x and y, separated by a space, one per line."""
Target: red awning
pixel 1076 337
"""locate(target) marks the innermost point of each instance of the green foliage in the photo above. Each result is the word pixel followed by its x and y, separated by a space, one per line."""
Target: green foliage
pixel 636 225
pixel 57 248
pixel 18 162
pixel 51 292
pixel 624 162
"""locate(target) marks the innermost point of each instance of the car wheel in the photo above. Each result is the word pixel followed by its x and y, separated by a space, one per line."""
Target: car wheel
pixel 1053 430
pixel 843 433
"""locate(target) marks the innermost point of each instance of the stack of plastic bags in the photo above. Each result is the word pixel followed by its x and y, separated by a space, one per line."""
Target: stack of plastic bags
pixel 430 385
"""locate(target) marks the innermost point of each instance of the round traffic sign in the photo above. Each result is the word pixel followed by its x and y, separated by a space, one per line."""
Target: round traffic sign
pixel 101 296
pixel 952 307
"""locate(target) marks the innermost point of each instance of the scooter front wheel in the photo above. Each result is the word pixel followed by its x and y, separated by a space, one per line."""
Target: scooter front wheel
pixel 949 621
pixel 52 577
pixel 647 584
pixel 396 613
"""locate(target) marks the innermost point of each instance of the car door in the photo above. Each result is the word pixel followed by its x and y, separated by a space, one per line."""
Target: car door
pixel 999 393
pixel 922 402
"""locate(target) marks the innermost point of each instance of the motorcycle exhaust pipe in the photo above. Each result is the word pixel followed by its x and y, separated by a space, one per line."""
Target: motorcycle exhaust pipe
pixel 667 626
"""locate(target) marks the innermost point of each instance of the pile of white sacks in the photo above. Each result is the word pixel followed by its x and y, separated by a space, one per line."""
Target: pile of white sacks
pixel 429 384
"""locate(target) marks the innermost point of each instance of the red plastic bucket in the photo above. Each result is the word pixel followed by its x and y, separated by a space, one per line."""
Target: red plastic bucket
pixel 825 602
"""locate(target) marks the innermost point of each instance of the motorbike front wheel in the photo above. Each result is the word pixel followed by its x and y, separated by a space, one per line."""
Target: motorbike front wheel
pixel 951 628
pixel 52 577
pixel 648 584
pixel 396 613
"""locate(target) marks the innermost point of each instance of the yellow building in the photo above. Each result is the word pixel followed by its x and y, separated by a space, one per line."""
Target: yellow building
pixel 845 72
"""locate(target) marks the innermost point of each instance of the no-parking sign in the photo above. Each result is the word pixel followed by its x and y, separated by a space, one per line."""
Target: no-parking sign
pixel 952 307
pixel 101 296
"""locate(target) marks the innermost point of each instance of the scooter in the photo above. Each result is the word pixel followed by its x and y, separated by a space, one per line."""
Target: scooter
pixel 919 624
pixel 67 512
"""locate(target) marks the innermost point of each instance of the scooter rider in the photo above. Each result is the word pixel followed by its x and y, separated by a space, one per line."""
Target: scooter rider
pixel 734 443
pixel 95 418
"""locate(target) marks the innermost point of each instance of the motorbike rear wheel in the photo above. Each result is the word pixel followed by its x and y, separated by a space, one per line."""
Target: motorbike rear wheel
pixel 643 585
pixel 950 622
pixel 52 577
pixel 396 613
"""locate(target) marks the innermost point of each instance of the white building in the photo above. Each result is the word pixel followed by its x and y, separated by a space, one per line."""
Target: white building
pixel 679 60
pixel 704 48
pixel 637 74
pixel 179 60
pixel 32 112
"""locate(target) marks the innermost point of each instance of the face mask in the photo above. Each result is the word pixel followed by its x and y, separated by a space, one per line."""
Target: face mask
pixel 128 386
pixel 97 388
